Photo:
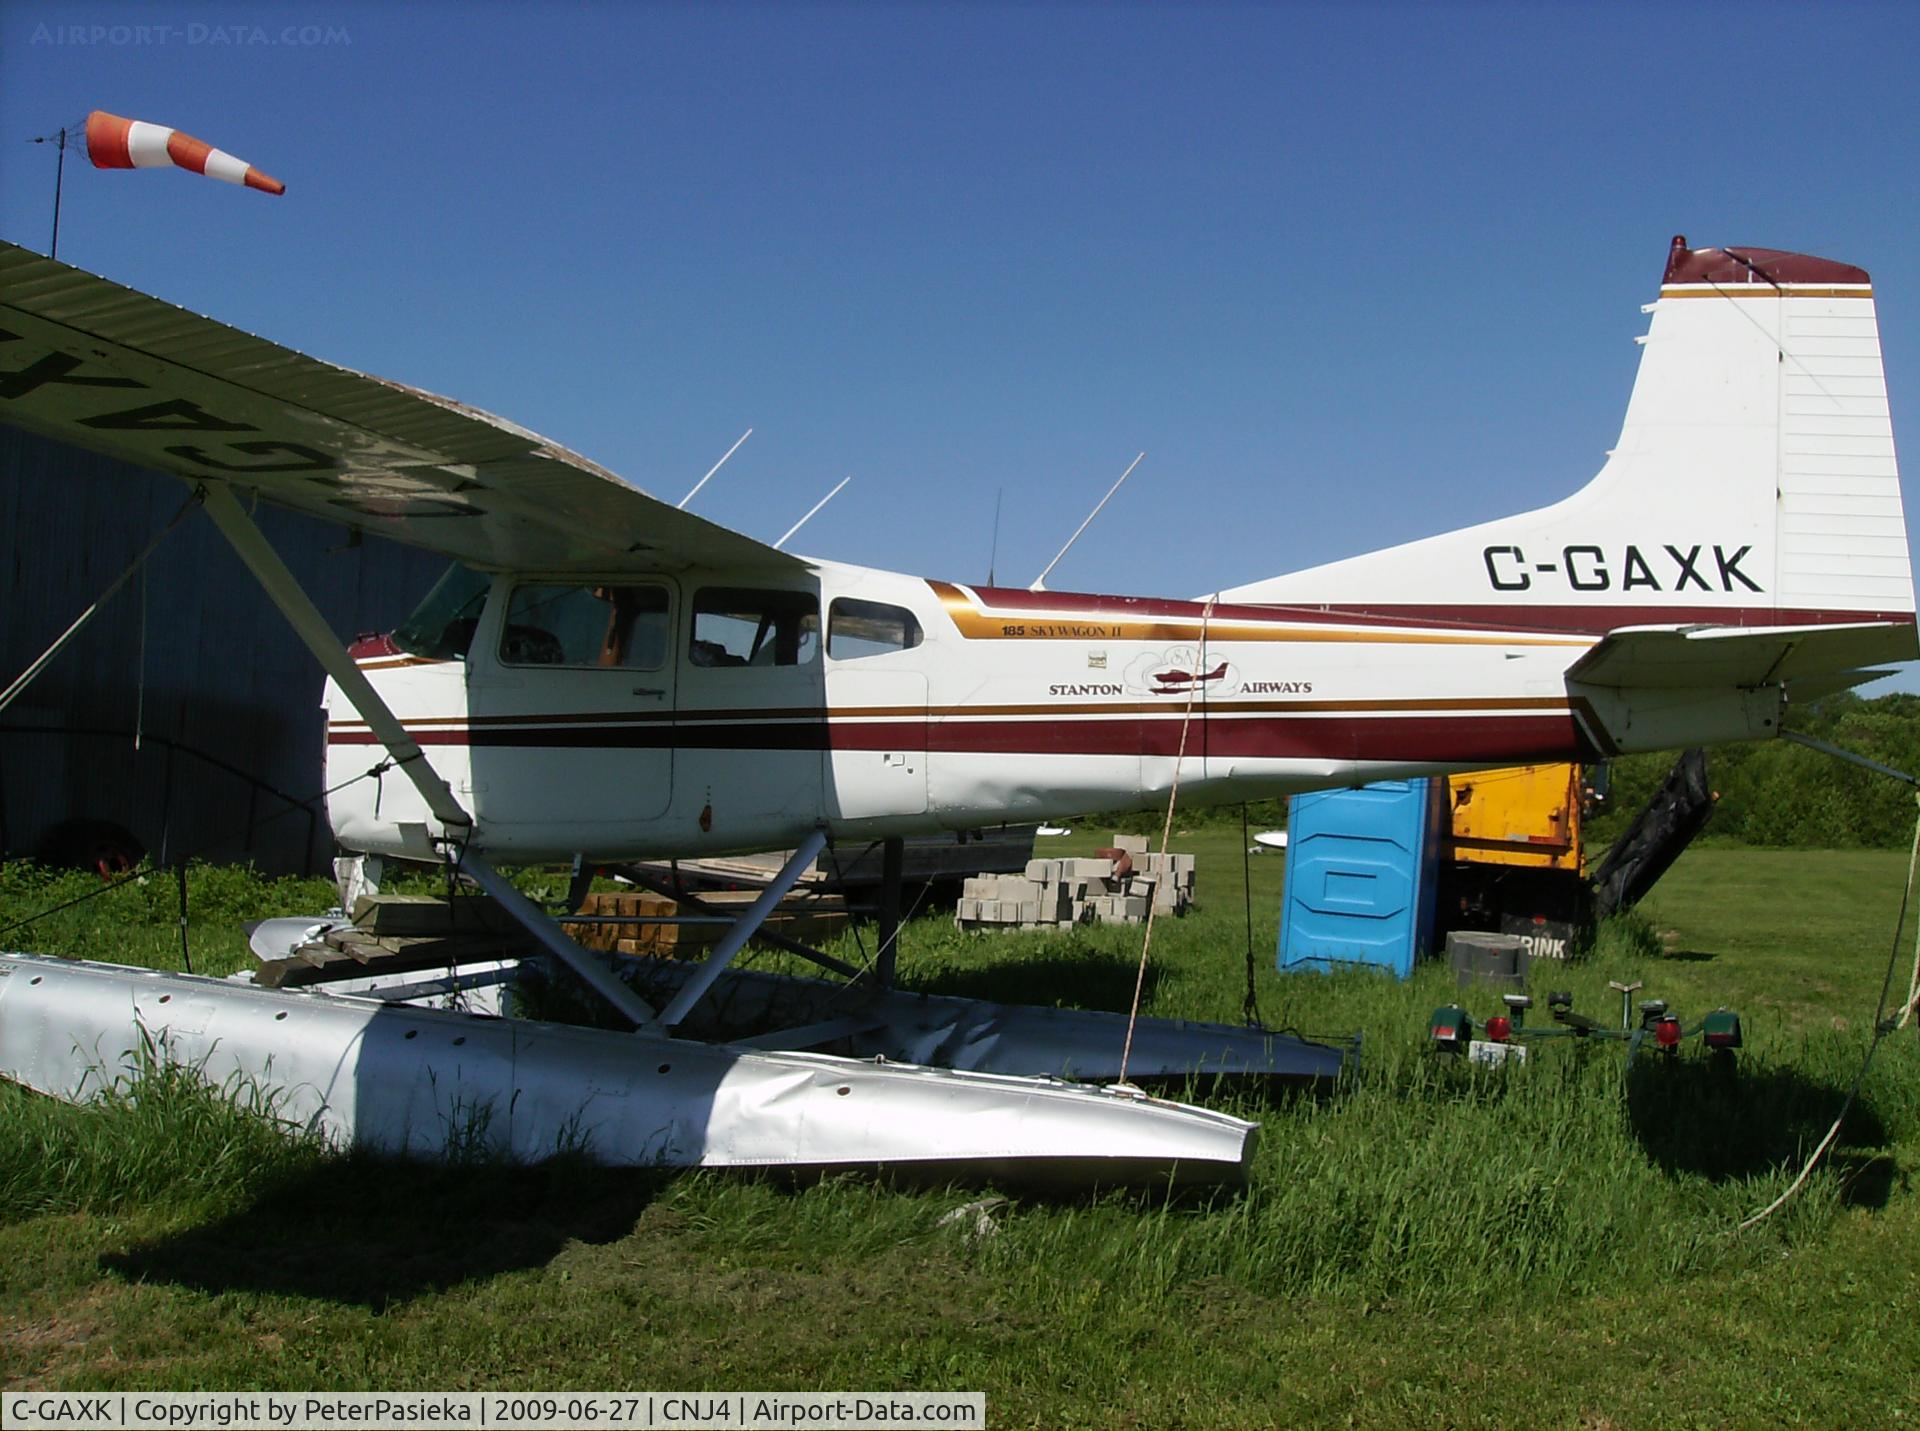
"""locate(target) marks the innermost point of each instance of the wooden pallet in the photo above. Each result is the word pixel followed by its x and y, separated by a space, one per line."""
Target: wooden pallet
pixel 398 934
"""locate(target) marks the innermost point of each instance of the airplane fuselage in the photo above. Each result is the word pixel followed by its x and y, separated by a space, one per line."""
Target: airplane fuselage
pixel 705 711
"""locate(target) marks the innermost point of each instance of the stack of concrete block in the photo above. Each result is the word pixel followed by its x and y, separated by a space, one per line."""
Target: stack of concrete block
pixel 1056 892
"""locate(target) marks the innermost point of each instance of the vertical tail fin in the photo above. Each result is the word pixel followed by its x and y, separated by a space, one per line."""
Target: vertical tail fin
pixel 1754 483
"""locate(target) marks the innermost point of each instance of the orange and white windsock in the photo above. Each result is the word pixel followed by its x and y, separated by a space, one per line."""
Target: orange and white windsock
pixel 116 143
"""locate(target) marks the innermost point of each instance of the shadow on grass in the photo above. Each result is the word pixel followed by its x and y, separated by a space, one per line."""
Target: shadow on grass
pixel 376 1232
pixel 1722 1123
pixel 1687 956
pixel 1079 979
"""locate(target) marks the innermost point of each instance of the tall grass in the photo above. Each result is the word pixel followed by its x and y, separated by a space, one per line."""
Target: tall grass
pixel 1422 1180
pixel 159 1135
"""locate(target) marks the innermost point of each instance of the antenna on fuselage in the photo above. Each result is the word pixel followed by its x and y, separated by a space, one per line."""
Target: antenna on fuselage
pixel 682 503
pixel 811 510
pixel 993 555
pixel 1039 582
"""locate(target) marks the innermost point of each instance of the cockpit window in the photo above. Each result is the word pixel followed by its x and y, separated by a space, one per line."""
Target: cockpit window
pixel 748 626
pixel 592 625
pixel 441 627
pixel 869 628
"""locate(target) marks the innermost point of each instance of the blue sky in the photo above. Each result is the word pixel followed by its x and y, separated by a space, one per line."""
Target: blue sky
pixel 1348 274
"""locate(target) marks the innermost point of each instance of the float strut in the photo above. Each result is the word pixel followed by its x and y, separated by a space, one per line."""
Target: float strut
pixel 743 929
pixel 535 920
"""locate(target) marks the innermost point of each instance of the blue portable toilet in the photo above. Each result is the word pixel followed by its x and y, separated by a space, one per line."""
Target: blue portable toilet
pixel 1362 865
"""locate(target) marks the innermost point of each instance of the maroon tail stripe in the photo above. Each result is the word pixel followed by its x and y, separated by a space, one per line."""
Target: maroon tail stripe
pixel 1588 620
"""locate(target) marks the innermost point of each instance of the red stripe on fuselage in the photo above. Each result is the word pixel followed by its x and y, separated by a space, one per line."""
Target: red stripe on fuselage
pixel 1442 738
pixel 1599 620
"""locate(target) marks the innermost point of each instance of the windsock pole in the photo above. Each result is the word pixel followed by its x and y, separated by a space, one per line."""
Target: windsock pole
pixel 59 140
pixel 59 175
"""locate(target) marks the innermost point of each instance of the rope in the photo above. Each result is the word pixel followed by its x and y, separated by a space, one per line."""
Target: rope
pixel 140 668
pixel 26 677
pixel 1913 983
pixel 1882 1026
pixel 139 874
pixel 1166 835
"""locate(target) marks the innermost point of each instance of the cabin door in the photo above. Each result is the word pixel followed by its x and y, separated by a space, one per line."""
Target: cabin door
pixel 571 697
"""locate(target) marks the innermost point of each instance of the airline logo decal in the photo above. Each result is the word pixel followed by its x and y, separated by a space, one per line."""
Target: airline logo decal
pixel 1178 671
pixel 1595 568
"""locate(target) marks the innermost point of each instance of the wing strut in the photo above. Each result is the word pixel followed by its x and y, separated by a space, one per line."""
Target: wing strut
pixel 285 591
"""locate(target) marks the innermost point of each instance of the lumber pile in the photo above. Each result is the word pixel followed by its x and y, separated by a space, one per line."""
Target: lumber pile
pixel 811 920
pixel 397 934
pixel 1117 887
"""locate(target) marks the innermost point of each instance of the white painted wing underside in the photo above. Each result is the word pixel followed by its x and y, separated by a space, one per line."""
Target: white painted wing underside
pixel 93 363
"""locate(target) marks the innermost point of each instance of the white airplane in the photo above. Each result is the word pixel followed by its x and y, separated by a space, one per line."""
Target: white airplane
pixel 603 674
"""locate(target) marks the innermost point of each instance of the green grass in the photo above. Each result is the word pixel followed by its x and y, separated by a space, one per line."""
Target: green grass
pixel 1548 1245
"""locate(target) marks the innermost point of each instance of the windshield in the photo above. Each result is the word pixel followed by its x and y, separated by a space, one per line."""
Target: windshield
pixel 441 627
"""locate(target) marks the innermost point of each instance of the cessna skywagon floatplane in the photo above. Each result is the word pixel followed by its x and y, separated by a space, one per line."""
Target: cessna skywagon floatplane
pixel 603 674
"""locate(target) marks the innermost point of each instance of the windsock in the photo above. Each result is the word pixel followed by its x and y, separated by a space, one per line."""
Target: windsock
pixel 116 143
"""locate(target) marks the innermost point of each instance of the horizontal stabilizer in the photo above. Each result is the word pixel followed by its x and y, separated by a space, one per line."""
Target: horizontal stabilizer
pixel 1695 656
pixel 1811 688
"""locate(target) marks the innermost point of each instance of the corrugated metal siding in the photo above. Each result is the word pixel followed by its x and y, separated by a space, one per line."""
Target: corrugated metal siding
pixel 224 674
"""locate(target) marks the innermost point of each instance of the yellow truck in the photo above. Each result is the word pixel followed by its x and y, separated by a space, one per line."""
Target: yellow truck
pixel 1512 858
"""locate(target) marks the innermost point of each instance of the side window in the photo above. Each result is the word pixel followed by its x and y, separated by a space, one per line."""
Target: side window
pixel 869 628
pixel 748 626
pixel 624 626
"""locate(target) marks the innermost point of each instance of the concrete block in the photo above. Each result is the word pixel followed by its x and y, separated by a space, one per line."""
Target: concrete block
pixel 1044 871
pixel 1135 845
pixel 1088 869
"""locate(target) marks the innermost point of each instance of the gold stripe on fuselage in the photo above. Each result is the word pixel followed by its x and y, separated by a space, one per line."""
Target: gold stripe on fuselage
pixel 977 625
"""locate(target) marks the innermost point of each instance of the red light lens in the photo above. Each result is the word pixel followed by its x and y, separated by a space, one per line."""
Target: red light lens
pixel 1499 1028
pixel 1667 1033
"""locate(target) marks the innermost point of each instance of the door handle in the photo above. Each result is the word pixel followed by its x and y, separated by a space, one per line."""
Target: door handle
pixel 649 690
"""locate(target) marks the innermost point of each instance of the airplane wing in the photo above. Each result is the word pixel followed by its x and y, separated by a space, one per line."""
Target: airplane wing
pixel 93 363
pixel 1834 657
